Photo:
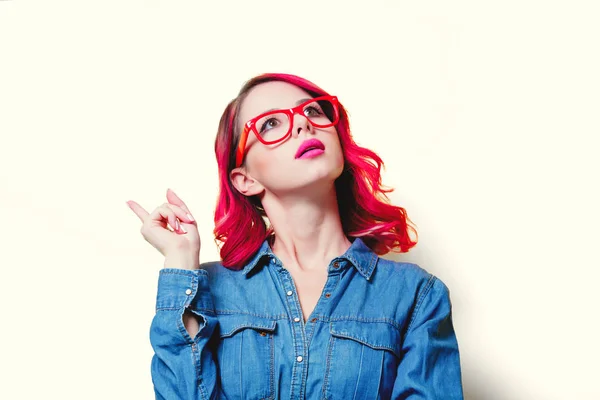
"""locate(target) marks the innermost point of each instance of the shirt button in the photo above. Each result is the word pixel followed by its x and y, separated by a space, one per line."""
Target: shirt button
pixel 188 291
pixel 336 265
pixel 289 293
pixel 297 319
pixel 328 295
pixel 299 358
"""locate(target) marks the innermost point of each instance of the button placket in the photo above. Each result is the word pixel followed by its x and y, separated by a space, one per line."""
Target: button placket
pixel 298 335
pixel 333 280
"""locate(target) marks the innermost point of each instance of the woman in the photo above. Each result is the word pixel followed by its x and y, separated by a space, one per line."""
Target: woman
pixel 300 305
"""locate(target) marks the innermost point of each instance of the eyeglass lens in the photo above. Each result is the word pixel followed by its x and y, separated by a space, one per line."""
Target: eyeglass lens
pixel 274 126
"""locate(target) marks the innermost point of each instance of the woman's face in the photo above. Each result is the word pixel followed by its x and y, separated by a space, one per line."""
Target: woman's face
pixel 275 167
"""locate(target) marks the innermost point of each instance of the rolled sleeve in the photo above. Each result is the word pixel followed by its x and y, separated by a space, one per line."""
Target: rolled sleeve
pixel 178 288
pixel 183 367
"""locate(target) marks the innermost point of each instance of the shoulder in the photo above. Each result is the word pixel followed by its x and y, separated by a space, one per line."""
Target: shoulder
pixel 212 266
pixel 404 271
pixel 219 275
pixel 411 289
pixel 216 270
pixel 412 278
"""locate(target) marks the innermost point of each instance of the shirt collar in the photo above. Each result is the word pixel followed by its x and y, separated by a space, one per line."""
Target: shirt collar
pixel 359 255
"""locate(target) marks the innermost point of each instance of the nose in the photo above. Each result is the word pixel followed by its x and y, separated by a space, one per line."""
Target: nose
pixel 301 122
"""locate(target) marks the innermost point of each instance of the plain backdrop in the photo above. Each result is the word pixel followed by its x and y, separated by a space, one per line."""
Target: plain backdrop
pixel 485 114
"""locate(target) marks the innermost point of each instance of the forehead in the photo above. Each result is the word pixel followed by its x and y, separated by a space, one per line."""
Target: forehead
pixel 269 95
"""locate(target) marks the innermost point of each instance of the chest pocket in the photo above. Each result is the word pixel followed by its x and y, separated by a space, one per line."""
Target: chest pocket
pixel 362 359
pixel 245 355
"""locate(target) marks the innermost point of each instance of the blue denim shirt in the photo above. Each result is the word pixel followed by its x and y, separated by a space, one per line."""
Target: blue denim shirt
pixel 381 330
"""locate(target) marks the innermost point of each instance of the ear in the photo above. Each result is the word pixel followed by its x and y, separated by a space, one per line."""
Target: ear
pixel 244 182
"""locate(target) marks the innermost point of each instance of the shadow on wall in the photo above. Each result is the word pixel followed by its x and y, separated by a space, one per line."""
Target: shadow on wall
pixel 477 385
pixel 483 391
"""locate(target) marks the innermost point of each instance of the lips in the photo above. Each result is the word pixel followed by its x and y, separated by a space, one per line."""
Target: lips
pixel 309 144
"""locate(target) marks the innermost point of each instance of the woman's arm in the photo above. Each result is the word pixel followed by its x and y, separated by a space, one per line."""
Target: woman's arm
pixel 183 366
pixel 430 367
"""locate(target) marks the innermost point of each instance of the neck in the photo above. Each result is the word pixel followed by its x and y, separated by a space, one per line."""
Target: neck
pixel 308 230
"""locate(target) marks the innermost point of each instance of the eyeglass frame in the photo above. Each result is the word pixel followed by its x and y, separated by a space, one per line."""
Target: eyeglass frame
pixel 289 112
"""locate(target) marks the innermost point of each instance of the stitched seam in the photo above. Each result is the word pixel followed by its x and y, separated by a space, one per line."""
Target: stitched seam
pixel 197 365
pixel 359 319
pixel 328 367
pixel 180 311
pixel 187 273
pixel 372 265
pixel 194 283
pixel 362 356
pixel 203 390
pixel 168 308
pixel 205 310
pixel 272 367
pixel 241 359
pixel 257 259
pixel 365 342
pixel 426 290
pixel 229 312
pixel 237 327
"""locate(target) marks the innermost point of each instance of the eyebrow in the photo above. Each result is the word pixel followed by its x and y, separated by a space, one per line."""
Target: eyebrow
pixel 297 103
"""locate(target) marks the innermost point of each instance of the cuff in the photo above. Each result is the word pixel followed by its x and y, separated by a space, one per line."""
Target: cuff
pixel 181 288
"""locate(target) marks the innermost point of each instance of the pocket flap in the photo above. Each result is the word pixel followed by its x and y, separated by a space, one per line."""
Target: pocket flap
pixel 231 323
pixel 377 335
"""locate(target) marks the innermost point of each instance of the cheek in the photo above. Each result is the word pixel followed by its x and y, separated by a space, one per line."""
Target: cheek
pixel 278 154
pixel 261 164
pixel 336 142
pixel 266 162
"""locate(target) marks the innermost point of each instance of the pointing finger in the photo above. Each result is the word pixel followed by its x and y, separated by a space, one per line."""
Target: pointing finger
pixel 138 210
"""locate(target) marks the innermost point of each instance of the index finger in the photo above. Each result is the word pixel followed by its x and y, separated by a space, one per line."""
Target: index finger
pixel 138 210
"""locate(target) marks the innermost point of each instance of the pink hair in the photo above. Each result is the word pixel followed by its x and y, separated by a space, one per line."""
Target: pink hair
pixel 365 210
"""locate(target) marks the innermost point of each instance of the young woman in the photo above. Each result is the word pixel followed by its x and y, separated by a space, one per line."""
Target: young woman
pixel 300 306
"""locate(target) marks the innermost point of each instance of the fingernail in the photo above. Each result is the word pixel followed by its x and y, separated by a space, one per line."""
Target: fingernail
pixel 190 217
pixel 177 224
pixel 183 229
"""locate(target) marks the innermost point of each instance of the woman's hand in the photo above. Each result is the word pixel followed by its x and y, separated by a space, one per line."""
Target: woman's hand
pixel 181 244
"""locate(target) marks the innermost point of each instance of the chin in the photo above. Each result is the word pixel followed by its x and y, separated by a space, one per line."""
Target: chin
pixel 305 173
pixel 321 173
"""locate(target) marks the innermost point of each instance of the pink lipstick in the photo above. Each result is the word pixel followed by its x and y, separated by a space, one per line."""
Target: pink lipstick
pixel 310 148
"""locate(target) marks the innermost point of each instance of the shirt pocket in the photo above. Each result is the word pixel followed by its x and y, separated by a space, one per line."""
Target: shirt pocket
pixel 362 360
pixel 245 356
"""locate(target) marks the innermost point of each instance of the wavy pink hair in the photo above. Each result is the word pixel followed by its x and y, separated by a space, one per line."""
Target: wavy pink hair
pixel 365 210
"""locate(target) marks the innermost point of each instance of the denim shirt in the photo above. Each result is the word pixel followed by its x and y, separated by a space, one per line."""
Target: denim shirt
pixel 380 330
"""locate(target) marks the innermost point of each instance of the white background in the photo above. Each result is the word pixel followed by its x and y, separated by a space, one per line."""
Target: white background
pixel 485 113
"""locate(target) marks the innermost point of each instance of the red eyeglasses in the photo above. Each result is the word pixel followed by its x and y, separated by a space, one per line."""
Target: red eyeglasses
pixel 275 126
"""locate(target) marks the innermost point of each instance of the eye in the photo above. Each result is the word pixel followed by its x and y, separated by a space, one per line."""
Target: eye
pixel 312 110
pixel 268 124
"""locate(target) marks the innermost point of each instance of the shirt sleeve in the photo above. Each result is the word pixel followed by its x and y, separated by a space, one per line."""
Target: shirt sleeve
pixel 183 367
pixel 430 367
